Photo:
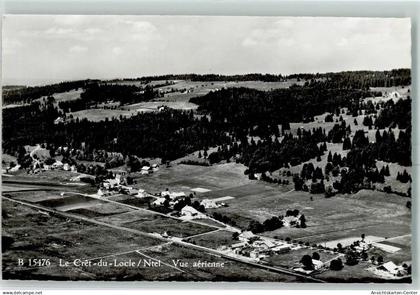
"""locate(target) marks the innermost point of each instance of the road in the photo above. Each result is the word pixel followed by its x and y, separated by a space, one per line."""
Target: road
pixel 146 210
pixel 174 241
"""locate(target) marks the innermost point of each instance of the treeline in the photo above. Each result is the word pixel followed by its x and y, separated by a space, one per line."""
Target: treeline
pixel 259 113
pixel 360 79
pixel 168 135
pixel 395 114
pixel 102 93
pixel 125 94
pixel 346 79
pixel 29 94
pixel 215 77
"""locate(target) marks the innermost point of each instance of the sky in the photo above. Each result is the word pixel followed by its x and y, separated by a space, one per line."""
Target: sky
pixel 52 48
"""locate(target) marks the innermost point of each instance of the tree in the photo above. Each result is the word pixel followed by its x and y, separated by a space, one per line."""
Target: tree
pixel 346 143
pixel 302 221
pixel 336 264
pixel 307 262
pixel 235 236
pixel 351 258
pixel 364 256
pixel 380 260
pixel 316 256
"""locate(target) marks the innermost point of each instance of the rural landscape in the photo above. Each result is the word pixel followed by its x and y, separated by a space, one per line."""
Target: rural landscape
pixel 208 177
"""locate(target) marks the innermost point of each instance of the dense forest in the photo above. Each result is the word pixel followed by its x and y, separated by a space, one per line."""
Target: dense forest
pixel 29 94
pixel 246 125
pixel 260 113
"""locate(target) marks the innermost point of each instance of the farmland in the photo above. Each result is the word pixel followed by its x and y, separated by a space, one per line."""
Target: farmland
pixel 194 187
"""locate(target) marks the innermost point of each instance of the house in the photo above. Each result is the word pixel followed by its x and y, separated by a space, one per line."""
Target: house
pixel 281 249
pixel 111 183
pixel 15 168
pixel 173 195
pixel 245 236
pixel 191 212
pixel 147 169
pixel 318 264
pixel 209 204
pixel 390 267
pixel 58 120
pixel 132 191
pixel 141 193
pixel 66 167
pixel 362 246
pixel 57 165
pixel 159 201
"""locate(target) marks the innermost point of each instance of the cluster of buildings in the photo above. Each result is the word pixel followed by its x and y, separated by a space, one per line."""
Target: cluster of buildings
pixel 391 269
pixel 149 169
pixel 172 197
pixel 119 184
pixel 256 247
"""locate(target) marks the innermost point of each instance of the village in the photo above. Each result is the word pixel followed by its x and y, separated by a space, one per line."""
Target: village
pixel 245 245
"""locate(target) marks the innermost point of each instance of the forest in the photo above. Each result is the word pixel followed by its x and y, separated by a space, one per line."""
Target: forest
pixel 246 125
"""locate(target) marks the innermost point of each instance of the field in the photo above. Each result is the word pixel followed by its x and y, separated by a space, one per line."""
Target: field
pixel 291 259
pixel 96 115
pixel 213 240
pixel 231 270
pixel 186 177
pixel 175 96
pixel 48 215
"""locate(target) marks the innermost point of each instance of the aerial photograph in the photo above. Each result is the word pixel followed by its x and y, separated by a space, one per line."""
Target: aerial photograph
pixel 206 149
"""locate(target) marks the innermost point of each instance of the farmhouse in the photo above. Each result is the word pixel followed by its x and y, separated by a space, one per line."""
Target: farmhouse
pixel 390 267
pixel 246 236
pixel 141 193
pixel 191 212
pixel 281 248
pixel 58 120
pixel 318 264
pixel 146 170
pixel 111 183
pixel 57 164
pixel 159 201
pixel 209 204
pixel 173 195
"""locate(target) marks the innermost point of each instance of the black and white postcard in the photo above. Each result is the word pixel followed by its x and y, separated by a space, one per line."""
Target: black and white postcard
pixel 206 148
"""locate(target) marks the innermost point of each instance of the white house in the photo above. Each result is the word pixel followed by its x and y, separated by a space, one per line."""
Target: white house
pixel 191 212
pixel 173 195
pixel 159 201
pixel 209 204
pixel 58 120
pixel 111 183
pixel 281 248
pixel 57 164
pixel 390 267
pixel 66 167
pixel 245 236
pixel 317 264
pixel 141 193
